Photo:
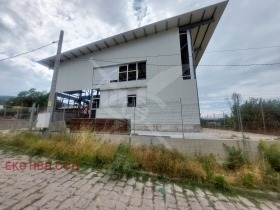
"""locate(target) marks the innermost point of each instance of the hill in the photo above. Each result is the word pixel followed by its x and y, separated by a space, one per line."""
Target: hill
pixel 3 99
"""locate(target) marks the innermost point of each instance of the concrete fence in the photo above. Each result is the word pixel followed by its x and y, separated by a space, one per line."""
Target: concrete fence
pixel 13 124
pixel 190 146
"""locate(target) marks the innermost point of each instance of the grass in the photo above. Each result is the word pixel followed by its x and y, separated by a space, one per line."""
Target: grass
pixel 155 161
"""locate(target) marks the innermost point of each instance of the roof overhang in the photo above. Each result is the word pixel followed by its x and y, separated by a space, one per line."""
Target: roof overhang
pixel 202 23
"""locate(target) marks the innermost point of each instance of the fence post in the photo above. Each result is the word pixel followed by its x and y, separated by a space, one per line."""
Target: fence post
pixel 5 111
pixel 32 116
pixel 239 117
pixel 182 118
pixel 263 116
pixel 134 104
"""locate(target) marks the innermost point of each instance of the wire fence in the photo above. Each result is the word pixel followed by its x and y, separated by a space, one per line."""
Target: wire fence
pixel 253 115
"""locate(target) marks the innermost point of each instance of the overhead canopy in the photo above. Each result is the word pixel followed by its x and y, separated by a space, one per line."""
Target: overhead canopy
pixel 202 22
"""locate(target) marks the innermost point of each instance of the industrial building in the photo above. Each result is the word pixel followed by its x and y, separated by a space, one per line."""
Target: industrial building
pixel 147 74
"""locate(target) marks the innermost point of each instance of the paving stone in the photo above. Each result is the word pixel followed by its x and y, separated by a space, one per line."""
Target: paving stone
pixel 127 190
pixel 271 205
pixel 58 189
pixel 27 201
pixel 131 181
pixel 136 202
pixel 229 206
pixel 52 204
pixel 178 188
pixel 246 202
pixel 70 202
pixel 195 205
pixel 82 203
pixel 120 206
pixel 219 206
pixel 124 199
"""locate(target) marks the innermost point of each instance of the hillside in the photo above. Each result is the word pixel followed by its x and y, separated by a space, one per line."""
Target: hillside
pixel 3 99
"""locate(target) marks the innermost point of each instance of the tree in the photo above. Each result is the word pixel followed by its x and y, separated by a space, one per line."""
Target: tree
pixel 27 98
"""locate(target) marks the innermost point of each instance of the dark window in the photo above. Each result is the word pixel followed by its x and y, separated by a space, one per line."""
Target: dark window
pixel 123 68
pixel 131 75
pixel 122 73
pixel 131 101
pixel 122 76
pixel 142 70
pixel 132 67
pixel 129 72
pixel 186 73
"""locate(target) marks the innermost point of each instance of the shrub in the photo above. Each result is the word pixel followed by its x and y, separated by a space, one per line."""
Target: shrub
pixel 209 162
pixel 248 180
pixel 235 158
pixel 220 183
pixel 272 154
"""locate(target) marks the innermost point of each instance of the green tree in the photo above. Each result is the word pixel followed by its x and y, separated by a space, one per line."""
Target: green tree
pixel 27 98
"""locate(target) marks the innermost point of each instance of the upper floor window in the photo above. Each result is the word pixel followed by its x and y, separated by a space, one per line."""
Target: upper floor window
pixel 132 71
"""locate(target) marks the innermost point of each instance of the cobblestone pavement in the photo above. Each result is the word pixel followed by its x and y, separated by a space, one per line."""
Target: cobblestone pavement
pixel 31 189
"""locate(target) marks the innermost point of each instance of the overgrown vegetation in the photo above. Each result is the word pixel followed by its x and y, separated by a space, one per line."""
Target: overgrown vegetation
pixel 236 158
pixel 122 159
pixel 254 112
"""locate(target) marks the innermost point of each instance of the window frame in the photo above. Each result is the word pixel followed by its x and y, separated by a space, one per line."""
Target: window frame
pixel 132 70
pixel 135 99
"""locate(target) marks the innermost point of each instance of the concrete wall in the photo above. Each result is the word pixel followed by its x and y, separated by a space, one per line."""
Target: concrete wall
pixel 163 85
pixel 13 124
pixel 188 146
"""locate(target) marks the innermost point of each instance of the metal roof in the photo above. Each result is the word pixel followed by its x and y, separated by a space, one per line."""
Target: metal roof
pixel 202 23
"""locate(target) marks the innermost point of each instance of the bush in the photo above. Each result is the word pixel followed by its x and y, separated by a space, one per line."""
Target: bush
pixel 209 163
pixel 272 154
pixel 220 183
pixel 248 180
pixel 235 158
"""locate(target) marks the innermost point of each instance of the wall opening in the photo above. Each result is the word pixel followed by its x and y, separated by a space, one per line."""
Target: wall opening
pixel 131 100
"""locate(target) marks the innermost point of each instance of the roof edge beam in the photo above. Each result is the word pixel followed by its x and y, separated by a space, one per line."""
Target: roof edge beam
pixel 200 23
pixel 106 44
pixel 155 28
pixel 74 55
pixel 90 50
pixel 81 52
pixel 66 57
pixel 97 47
pixel 135 37
pixel 145 32
pixel 124 38
pixel 115 41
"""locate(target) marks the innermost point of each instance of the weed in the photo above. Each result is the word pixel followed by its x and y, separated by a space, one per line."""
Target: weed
pixel 209 162
pixel 220 183
pixel 124 163
pixel 236 157
pixel 249 180
pixel 272 154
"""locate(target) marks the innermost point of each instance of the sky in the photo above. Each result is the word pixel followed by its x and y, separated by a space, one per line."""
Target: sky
pixel 26 25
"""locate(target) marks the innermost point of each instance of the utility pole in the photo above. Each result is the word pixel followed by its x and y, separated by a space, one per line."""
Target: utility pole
pixel 52 95
pixel 239 117
pixel 263 117
pixel 32 116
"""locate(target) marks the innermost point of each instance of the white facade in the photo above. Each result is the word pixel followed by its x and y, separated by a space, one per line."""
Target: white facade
pixel 158 96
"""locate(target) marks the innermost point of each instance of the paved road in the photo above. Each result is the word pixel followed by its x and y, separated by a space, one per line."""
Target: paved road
pixel 31 189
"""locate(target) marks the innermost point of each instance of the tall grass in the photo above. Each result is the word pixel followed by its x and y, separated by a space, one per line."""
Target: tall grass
pixel 89 151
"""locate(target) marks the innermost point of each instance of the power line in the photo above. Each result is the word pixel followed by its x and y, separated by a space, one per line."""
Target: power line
pixel 241 49
pixel 215 65
pixel 28 51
